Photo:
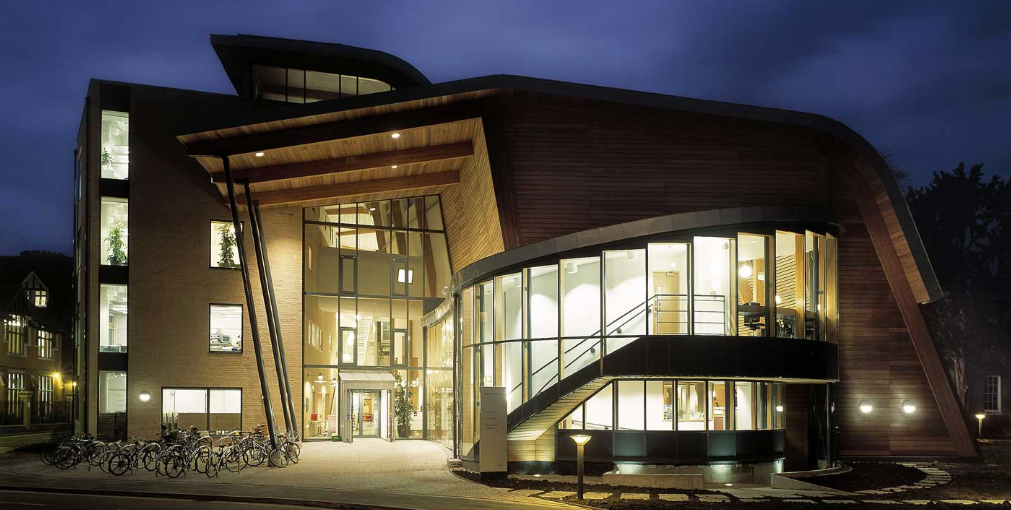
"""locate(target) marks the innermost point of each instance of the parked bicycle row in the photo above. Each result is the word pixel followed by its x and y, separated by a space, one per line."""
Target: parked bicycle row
pixel 177 453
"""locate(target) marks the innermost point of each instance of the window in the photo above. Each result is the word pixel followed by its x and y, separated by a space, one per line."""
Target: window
pixel 15 385
pixel 580 299
pixel 721 415
pixel 624 295
pixel 305 86
pixel 789 293
pixel 111 392
pixel 226 328
pixel 752 287
pixel 115 157
pixel 744 405
pixel 659 405
pixel 112 315
pixel 224 248
pixel 45 395
pixel 315 338
pixel 713 294
pixel 45 344
pixel 668 277
pixel 115 238
pixel 991 395
pixel 38 297
pixel 598 410
pixel 218 411
pixel 15 331
pixel 691 405
pixel 631 405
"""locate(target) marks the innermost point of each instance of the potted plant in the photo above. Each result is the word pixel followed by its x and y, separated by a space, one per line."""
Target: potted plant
pixel 107 157
pixel 117 245
pixel 226 242
pixel 403 408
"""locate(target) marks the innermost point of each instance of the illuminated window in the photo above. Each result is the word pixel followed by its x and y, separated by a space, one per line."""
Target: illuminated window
pixel 45 344
pixel 115 156
pixel 226 328
pixel 15 331
pixel 224 249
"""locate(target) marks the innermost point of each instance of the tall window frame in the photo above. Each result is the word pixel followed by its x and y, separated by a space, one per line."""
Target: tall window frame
pixel 992 394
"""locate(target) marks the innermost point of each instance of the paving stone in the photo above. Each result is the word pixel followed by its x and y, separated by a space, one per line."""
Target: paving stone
pixel 559 494
pixel 917 501
pixel 634 495
pixel 796 500
pixel 673 497
pixel 839 501
pixel 958 501
pixel 527 492
pixel 712 498
pixel 882 501
pixel 596 495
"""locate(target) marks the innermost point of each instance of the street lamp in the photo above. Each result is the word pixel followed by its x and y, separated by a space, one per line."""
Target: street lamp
pixel 580 440
pixel 980 417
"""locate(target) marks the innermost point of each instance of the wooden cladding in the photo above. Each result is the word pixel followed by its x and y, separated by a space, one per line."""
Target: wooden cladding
pixel 349 189
pixel 350 163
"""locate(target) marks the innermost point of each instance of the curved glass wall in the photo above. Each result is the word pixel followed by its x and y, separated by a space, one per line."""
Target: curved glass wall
pixel 528 328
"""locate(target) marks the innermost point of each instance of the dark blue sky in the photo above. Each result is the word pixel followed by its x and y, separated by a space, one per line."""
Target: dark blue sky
pixel 928 83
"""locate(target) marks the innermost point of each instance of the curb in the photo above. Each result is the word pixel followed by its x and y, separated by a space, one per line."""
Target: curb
pixel 201 497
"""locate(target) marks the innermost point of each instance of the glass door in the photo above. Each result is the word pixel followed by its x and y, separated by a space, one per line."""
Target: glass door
pixel 366 413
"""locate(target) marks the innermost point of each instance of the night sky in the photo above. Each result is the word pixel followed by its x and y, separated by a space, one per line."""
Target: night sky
pixel 928 84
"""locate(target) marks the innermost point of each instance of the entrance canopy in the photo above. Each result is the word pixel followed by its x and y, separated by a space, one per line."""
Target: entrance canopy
pixel 366 379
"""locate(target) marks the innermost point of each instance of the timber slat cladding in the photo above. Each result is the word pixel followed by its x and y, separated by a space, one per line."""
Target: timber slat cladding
pixel 565 159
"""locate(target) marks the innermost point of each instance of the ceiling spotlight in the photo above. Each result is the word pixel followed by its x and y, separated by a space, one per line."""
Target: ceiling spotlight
pixel 394 166
pixel 866 407
pixel 395 136
pixel 779 409
pixel 259 154
pixel 908 407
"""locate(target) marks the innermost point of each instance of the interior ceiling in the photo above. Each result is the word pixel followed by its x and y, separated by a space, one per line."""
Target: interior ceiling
pixel 426 136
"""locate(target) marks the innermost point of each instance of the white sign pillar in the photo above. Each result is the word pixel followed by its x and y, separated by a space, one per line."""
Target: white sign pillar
pixel 493 456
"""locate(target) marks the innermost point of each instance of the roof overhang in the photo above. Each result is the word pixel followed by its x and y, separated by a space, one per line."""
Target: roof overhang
pixel 299 129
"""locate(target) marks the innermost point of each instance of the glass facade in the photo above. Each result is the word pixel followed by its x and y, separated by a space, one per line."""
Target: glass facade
pixel 111 392
pixel 528 328
pixel 217 411
pixel 304 86
pixel 372 270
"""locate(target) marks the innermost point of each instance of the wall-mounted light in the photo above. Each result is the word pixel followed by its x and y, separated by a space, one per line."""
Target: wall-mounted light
pixel 866 407
pixel 779 408
pixel 908 407
pixel 395 136
pixel 319 378
pixel 144 396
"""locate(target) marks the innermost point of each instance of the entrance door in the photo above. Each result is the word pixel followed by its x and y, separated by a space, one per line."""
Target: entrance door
pixel 366 413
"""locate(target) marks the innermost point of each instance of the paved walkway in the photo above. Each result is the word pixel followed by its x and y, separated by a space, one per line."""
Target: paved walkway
pixel 405 474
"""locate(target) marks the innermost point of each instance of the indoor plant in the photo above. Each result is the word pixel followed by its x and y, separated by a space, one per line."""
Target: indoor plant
pixel 117 245
pixel 403 408
pixel 226 242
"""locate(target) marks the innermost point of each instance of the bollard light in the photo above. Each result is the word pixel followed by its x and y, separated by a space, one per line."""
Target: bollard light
pixel 980 417
pixel 580 440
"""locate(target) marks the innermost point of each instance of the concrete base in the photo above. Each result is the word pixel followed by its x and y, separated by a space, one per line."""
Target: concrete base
pixel 655 480
pixel 755 472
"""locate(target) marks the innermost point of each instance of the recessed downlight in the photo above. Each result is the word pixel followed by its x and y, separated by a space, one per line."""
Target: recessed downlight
pixel 259 154
pixel 394 166
pixel 395 136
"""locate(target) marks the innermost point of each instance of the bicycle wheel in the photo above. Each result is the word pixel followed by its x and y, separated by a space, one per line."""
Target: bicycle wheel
pixel 255 455
pixel 65 457
pixel 277 458
pixel 174 465
pixel 292 451
pixel 149 457
pixel 119 463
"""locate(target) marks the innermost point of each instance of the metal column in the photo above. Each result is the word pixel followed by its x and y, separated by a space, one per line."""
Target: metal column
pixel 270 307
pixel 250 305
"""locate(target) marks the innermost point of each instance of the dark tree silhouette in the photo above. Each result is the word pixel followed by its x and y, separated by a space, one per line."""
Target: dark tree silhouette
pixel 965 222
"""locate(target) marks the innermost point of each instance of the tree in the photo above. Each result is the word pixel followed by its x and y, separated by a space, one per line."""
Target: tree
pixel 226 242
pixel 965 223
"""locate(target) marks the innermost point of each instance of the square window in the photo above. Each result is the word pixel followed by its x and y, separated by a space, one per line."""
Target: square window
pixel 226 328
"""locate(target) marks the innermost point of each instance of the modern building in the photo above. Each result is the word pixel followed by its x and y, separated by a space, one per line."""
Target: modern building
pixel 689 282
pixel 36 379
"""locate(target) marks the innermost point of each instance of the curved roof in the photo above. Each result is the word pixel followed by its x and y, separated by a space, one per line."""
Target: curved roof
pixel 237 52
pixel 871 167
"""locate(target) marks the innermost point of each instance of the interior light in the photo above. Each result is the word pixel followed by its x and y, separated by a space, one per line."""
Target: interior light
pixel 395 136
pixel 633 255
pixel 728 484
pixel 745 271
pixel 401 276
pixel 908 407
pixel 372 209
pixel 761 277
pixel 144 396
pixel 259 154
pixel 866 407
pixel 779 408
pixel 779 300
pixel 571 268
pixel 319 378
pixel 333 382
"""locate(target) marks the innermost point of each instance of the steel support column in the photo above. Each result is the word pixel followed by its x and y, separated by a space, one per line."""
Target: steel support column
pixel 250 305
pixel 270 308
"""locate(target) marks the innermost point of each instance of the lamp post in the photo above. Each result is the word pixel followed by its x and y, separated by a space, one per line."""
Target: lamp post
pixel 980 417
pixel 580 440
